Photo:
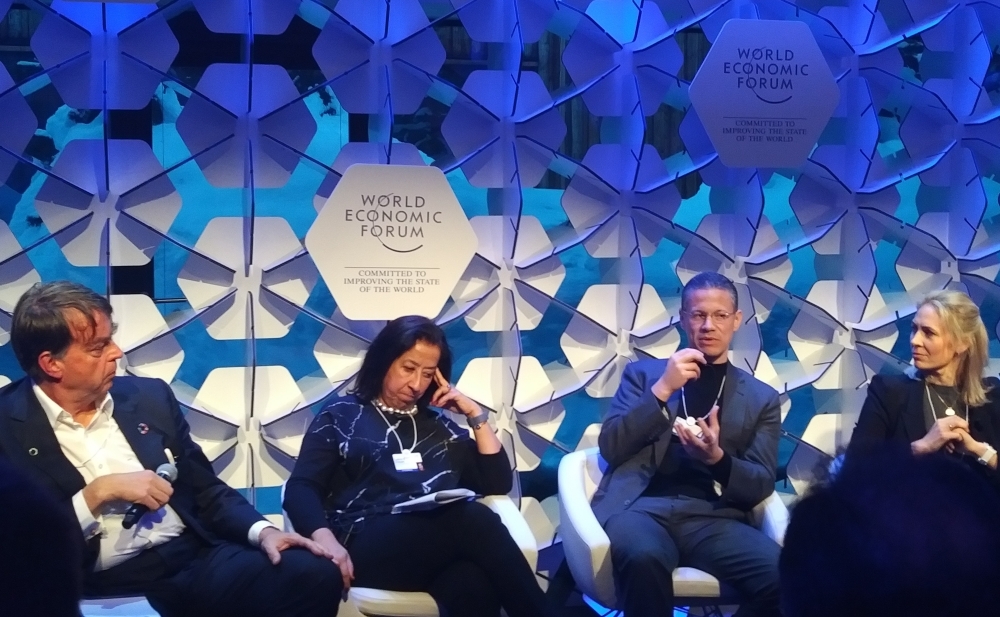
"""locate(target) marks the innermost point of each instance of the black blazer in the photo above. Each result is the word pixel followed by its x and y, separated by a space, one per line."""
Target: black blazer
pixel 894 412
pixel 150 419
pixel 635 436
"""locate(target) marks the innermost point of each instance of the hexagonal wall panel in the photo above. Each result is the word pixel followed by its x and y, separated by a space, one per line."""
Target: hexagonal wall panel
pixel 764 104
pixel 108 202
pixel 235 291
pixel 391 241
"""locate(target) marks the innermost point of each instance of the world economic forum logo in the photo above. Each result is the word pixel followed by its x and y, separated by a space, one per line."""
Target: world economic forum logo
pixel 764 93
pixel 391 240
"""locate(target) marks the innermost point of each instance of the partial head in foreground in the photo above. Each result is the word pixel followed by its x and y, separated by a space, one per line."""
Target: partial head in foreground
pixel 61 334
pixel 400 364
pixel 949 344
pixel 710 314
pixel 894 534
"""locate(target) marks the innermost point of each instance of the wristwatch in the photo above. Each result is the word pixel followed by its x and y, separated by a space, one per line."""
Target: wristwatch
pixel 476 421
pixel 988 455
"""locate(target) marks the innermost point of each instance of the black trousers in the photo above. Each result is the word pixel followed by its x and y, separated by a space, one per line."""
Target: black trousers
pixel 658 534
pixel 186 577
pixel 461 554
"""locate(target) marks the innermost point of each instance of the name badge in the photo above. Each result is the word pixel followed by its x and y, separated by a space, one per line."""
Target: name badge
pixel 408 461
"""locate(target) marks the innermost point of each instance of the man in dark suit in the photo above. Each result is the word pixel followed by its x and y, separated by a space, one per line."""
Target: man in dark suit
pixel 675 430
pixel 93 439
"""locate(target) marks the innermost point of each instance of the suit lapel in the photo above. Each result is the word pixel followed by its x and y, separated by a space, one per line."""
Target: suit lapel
pixel 733 409
pixel 912 409
pixel 146 441
pixel 31 429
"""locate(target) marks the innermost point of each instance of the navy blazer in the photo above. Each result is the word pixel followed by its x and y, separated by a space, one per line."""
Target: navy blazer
pixel 150 419
pixel 636 435
pixel 893 412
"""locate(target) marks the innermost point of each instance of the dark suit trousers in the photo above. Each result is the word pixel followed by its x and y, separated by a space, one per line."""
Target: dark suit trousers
pixel 186 577
pixel 658 534
pixel 461 554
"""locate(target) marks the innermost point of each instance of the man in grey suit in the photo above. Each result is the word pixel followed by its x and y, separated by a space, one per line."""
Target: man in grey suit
pixel 676 429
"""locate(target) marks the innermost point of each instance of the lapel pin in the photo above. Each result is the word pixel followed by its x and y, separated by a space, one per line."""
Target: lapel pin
pixel 143 428
pixel 32 451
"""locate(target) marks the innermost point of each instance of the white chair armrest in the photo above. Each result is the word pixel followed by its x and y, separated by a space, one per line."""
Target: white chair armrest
pixel 585 544
pixel 771 517
pixel 518 528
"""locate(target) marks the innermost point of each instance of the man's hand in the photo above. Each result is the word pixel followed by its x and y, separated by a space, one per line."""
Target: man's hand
pixel 142 487
pixel 705 449
pixel 273 541
pixel 682 366
pixel 341 558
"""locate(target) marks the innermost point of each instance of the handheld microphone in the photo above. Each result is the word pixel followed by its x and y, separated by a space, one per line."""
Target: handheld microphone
pixel 136 511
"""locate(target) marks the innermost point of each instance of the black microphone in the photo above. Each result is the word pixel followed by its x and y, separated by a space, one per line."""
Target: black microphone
pixel 136 511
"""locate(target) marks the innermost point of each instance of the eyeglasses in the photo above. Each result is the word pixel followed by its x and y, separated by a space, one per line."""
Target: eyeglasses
pixel 699 317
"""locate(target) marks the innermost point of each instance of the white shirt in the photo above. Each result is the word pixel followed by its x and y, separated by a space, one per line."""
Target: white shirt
pixel 101 449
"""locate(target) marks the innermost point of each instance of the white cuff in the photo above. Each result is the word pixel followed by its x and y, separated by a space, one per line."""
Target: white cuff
pixel 254 535
pixel 91 526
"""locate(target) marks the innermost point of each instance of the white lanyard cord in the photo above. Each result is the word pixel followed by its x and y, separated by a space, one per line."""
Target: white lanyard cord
pixel 396 435
pixel 718 396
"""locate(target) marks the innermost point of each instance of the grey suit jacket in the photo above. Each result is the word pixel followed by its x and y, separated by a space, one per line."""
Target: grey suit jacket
pixel 636 434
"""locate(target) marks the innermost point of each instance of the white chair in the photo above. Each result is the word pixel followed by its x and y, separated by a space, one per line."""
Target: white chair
pixel 383 603
pixel 135 606
pixel 587 547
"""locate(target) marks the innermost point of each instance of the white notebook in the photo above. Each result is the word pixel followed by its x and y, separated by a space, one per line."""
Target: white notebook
pixel 433 500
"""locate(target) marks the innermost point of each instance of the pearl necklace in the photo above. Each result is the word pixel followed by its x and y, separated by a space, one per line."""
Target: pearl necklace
pixel 409 411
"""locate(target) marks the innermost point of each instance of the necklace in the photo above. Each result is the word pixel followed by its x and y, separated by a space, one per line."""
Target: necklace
pixel 949 410
pixel 381 406
pixel 396 434
pixel 688 419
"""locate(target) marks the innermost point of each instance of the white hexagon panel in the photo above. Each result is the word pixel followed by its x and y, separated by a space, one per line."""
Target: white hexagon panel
pixel 508 288
pixel 109 203
pixel 150 348
pixel 764 93
pixel 609 326
pixel 232 413
pixel 520 392
pixel 392 240
pixel 235 288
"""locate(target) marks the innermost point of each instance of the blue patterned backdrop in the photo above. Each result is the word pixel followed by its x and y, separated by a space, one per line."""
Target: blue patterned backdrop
pixel 174 154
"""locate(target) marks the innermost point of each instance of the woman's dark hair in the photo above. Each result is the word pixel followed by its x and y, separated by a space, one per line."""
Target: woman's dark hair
pixel 396 338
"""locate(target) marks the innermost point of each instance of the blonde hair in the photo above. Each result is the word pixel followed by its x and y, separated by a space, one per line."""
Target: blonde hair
pixel 960 318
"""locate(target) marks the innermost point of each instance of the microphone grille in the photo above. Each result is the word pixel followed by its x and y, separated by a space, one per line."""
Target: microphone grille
pixel 168 470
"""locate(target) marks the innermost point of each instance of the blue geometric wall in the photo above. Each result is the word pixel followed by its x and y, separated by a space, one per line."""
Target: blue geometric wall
pixel 192 143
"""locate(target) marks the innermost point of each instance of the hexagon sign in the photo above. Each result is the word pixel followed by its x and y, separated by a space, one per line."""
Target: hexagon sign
pixel 392 240
pixel 764 93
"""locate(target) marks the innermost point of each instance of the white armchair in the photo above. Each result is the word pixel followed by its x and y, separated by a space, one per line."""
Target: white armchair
pixel 382 603
pixel 588 549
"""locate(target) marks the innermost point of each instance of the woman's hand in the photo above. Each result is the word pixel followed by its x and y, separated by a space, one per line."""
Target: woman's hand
pixel 447 397
pixel 325 538
pixel 946 431
pixel 970 445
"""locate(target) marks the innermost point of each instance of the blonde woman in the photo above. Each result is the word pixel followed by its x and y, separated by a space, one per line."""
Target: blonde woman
pixel 944 403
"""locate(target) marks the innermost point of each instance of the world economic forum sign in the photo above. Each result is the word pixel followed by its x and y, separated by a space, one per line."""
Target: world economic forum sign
pixel 764 93
pixel 391 240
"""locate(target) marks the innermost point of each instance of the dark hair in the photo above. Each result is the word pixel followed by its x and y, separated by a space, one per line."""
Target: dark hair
pixel 39 322
pixel 709 280
pixel 894 534
pixel 396 338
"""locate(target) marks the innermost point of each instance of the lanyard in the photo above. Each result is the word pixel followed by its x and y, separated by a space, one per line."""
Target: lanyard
pixel 396 435
pixel 684 404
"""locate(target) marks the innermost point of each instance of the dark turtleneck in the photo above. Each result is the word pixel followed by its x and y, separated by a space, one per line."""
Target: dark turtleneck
pixel 680 474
